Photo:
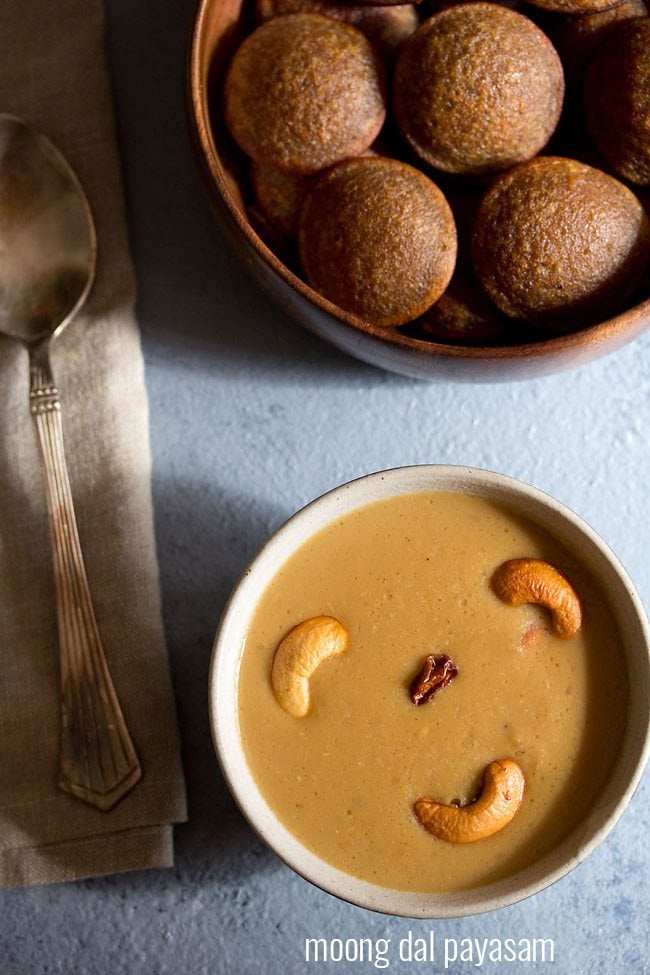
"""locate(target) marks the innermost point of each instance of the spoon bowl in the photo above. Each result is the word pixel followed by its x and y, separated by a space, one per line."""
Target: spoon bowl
pixel 48 246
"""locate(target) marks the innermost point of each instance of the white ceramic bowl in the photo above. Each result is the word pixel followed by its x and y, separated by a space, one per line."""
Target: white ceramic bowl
pixel 569 530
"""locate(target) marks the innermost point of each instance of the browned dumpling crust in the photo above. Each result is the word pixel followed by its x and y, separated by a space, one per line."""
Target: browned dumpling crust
pixel 463 315
pixel 577 37
pixel 280 196
pixel 555 240
pixel 304 92
pixel 377 237
pixel 478 88
pixel 574 6
pixel 380 3
pixel 617 99
pixel 386 27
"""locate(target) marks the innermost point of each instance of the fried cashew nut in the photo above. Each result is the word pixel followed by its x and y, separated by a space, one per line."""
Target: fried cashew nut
pixel 521 581
pixel 500 798
pixel 298 655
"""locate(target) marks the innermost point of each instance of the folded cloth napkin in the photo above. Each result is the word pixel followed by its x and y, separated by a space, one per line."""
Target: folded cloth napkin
pixel 53 75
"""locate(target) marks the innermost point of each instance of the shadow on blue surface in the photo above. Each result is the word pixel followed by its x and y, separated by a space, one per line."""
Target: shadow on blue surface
pixel 216 842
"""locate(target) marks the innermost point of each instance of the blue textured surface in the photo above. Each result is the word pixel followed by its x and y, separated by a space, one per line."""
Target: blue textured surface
pixel 250 419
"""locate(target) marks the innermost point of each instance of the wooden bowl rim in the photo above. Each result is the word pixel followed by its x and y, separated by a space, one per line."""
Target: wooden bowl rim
pixel 634 319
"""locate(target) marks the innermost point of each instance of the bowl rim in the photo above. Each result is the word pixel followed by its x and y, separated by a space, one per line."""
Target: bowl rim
pixel 224 674
pixel 631 321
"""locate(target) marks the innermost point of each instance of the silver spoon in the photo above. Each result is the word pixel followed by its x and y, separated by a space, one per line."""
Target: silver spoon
pixel 47 264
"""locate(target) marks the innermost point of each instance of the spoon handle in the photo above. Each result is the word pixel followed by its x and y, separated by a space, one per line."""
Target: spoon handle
pixel 98 762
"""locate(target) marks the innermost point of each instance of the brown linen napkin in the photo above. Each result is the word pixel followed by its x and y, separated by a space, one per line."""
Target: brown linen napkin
pixel 53 75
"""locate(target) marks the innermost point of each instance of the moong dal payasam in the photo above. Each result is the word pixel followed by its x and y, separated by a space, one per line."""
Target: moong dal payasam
pixel 384 589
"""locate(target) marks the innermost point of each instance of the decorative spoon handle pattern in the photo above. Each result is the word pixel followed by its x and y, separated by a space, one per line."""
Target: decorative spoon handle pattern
pixel 98 762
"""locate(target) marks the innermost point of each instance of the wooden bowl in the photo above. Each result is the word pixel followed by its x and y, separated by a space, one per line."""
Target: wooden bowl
pixel 219 27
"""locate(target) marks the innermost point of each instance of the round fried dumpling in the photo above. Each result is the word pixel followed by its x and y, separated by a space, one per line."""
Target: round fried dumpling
pixel 386 27
pixel 555 240
pixel 577 37
pixel 574 6
pixel 304 92
pixel 617 99
pixel 377 237
pixel 478 88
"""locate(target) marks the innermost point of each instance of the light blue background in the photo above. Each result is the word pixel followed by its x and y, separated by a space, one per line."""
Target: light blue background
pixel 251 418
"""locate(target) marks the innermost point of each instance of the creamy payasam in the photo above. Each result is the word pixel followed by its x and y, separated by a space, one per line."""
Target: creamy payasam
pixel 533 700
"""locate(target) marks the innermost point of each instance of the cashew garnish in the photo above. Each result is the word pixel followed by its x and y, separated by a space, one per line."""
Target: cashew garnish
pixel 500 798
pixel 535 581
pixel 297 657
